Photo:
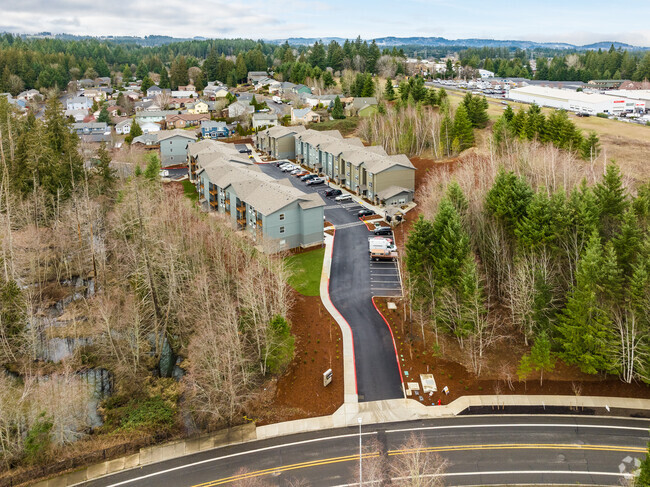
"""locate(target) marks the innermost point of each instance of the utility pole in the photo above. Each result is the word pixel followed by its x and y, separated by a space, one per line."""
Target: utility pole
pixel 360 420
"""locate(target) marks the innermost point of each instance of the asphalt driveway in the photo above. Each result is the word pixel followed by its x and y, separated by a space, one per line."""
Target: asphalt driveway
pixel 353 282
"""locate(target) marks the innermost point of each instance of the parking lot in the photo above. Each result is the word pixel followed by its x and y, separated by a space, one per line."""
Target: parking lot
pixel 385 279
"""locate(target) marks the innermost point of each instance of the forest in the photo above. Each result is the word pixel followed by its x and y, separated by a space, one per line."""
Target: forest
pixel 111 290
pixel 531 242
pixel 46 63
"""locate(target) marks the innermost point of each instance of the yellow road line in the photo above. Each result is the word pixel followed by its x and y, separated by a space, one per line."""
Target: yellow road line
pixel 351 458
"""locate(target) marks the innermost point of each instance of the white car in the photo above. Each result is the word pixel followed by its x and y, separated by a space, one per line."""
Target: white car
pixel 344 197
pixel 164 173
pixel 285 164
pixel 295 171
pixel 288 168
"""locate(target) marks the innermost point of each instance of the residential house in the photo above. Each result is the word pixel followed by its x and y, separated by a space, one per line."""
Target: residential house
pixel 261 83
pixel 114 110
pixel 92 132
pixel 132 95
pixel 153 116
pixel 278 141
pixel 123 127
pixel 148 141
pixel 276 214
pixel 179 103
pixel 103 81
pixel 197 107
pixel 94 94
pixel 304 116
pixel 273 86
pixel 255 76
pixel 150 127
pixel 326 101
pixel 239 109
pixel 261 119
pixel 77 115
pixel 286 87
pixel 189 87
pixel 154 91
pixel 484 73
pixel 184 94
pixel 301 89
pixel 19 104
pixel 361 107
pixel 85 83
pixel 28 95
pixel 213 130
pixel 182 120
pixel 78 103
pixel 173 146
pixel 368 171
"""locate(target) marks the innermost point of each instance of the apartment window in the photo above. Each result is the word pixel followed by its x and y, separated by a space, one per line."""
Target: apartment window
pixel 281 216
pixel 281 229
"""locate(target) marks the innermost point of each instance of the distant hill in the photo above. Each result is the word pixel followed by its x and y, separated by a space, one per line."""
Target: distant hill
pixel 155 40
pixel 442 42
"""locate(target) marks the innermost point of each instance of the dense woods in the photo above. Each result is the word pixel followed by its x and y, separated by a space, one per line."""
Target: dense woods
pixel 533 239
pixel 46 63
pixel 122 281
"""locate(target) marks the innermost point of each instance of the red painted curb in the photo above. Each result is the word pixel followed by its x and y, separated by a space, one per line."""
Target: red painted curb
pixel 399 365
pixel 356 388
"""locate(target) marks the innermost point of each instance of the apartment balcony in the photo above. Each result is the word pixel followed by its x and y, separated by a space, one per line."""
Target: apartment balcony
pixel 214 204
pixel 241 222
pixel 214 192
pixel 241 207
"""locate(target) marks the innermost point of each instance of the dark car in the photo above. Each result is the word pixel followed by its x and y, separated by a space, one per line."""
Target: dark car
pixel 366 212
pixel 308 177
pixel 315 181
pixel 330 193
pixel 245 151
pixel 383 231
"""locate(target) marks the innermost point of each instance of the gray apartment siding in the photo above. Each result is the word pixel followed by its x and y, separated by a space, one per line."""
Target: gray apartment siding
pixel 283 147
pixel 289 227
pixel 173 151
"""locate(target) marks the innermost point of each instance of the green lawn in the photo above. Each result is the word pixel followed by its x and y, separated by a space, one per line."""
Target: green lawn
pixel 190 191
pixel 306 271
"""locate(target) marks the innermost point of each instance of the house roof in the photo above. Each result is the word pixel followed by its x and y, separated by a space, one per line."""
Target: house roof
pixel 281 131
pixel 79 99
pixel 123 123
pixel 300 112
pixel 265 116
pixel 264 193
pixel 167 134
pixel 146 139
pixel 211 124
pixel 361 102
pixel 392 191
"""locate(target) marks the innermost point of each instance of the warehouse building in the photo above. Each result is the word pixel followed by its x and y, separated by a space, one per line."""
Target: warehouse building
pixel 275 213
pixel 574 101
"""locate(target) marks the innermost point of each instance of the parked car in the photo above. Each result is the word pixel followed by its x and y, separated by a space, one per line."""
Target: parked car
pixel 383 231
pixel 245 151
pixel 164 173
pixel 281 163
pixel 333 192
pixel 365 212
pixel 301 174
pixel 308 177
pixel 289 168
pixel 315 181
pixel 296 172
pixel 344 197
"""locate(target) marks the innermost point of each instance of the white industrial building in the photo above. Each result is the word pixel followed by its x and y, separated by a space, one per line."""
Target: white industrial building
pixel 575 101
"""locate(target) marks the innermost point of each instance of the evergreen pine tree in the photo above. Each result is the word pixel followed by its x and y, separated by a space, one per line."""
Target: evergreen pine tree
pixel 105 174
pixel 164 79
pixel 508 198
pixel 452 244
pixel 463 129
pixel 337 109
pixel 627 242
pixel 611 199
pixel 591 147
pixel 389 92
pixel 103 115
pixel 535 228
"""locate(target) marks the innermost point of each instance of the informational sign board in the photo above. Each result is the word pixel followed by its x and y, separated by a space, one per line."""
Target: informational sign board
pixel 327 377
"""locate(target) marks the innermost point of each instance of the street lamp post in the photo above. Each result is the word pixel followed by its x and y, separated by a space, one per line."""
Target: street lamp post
pixel 360 453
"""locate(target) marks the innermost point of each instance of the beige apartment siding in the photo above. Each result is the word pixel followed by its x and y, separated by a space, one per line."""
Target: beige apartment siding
pixel 396 176
pixel 285 148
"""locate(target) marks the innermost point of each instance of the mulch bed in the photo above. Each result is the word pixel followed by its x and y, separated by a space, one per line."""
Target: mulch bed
pixel 418 356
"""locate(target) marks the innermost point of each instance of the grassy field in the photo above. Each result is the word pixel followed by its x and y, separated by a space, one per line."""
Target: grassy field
pixel 306 271
pixel 346 126
pixel 190 191
pixel 626 143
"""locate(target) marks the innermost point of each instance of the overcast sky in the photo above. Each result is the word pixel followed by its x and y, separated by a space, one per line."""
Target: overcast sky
pixel 573 21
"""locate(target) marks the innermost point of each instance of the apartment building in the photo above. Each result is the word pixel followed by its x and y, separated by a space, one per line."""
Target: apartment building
pixel 367 171
pixel 277 215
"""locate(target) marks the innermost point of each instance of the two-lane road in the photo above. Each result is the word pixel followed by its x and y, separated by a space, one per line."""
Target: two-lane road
pixel 480 450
